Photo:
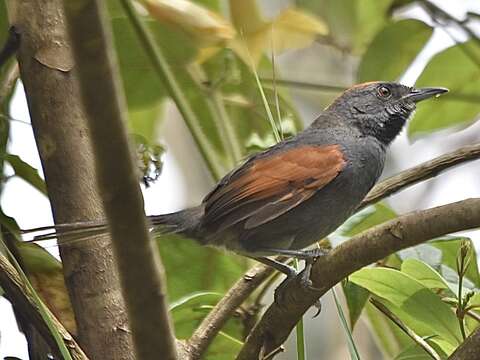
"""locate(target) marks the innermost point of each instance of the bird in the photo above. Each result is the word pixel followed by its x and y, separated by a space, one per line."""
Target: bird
pixel 284 199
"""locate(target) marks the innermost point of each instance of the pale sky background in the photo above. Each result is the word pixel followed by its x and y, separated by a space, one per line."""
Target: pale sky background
pixel 185 181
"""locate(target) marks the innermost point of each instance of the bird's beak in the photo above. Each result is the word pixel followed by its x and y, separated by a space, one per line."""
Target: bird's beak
pixel 425 93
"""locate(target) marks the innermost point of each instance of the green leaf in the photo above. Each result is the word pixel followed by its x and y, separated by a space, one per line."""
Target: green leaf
pixel 141 83
pixel 416 352
pixel 352 23
pixel 393 50
pixel 42 308
pixel 192 268
pixel 367 218
pixel 46 276
pixel 450 247
pixel 472 324
pixel 190 310
pixel 356 297
pixel 4 23
pixel 426 253
pixel 417 306
pixel 424 273
pixel 413 353
pixel 144 121
pixel 452 279
pixel 195 299
pixel 388 336
pixel 9 223
pixel 459 72
pixel 197 278
pixel 26 172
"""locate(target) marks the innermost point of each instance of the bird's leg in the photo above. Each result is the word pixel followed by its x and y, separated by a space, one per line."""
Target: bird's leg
pixel 290 271
pixel 310 256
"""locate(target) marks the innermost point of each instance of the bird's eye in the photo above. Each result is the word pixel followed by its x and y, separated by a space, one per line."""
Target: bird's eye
pixel 384 92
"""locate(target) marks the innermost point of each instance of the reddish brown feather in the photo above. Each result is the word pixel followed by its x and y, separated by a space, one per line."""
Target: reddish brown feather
pixel 278 183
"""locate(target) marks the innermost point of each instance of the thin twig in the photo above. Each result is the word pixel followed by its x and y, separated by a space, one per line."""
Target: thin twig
pixel 304 84
pixel 420 173
pixel 473 315
pixel 471 98
pixel 416 338
pixel 214 321
pixel 436 13
pixel 274 353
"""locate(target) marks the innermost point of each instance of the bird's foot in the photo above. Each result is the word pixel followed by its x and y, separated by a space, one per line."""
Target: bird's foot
pixel 281 295
pixel 303 278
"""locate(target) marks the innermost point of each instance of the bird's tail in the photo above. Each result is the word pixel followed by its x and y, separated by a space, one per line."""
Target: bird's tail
pixel 183 222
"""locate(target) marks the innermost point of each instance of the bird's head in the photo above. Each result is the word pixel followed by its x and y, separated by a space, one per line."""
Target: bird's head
pixel 380 109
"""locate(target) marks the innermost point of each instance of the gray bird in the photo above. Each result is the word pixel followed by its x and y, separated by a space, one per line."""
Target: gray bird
pixel 298 191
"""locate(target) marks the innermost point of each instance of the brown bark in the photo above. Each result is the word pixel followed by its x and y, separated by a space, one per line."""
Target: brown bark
pixel 60 128
pixel 469 349
pixel 140 268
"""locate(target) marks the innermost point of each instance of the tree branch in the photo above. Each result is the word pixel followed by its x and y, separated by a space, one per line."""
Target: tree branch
pixel 420 173
pixel 61 135
pixel 361 250
pixel 240 291
pixel 138 261
pixel 469 349
pixel 20 296
pixel 214 321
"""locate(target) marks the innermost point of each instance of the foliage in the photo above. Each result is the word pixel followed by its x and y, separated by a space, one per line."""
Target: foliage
pixel 213 60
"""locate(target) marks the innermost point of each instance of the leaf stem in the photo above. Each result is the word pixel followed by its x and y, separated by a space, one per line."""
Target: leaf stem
pixel 352 348
pixel 232 142
pixel 416 338
pixel 299 331
pixel 275 89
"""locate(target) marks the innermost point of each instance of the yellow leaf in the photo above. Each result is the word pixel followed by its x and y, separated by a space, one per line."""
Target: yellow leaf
pixel 291 29
pixel 250 47
pixel 206 53
pixel 206 26
pixel 46 275
pixel 52 290
pixel 294 29
pixel 246 16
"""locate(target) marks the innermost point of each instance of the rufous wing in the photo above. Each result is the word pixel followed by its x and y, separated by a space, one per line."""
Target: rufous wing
pixel 267 187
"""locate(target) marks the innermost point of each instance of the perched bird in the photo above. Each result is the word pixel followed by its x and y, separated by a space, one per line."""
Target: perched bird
pixel 286 198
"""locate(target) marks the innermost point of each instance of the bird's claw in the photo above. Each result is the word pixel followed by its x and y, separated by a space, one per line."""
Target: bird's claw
pixel 303 278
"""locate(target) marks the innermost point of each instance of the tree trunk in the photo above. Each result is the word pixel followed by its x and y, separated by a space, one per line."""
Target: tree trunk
pixel 60 128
